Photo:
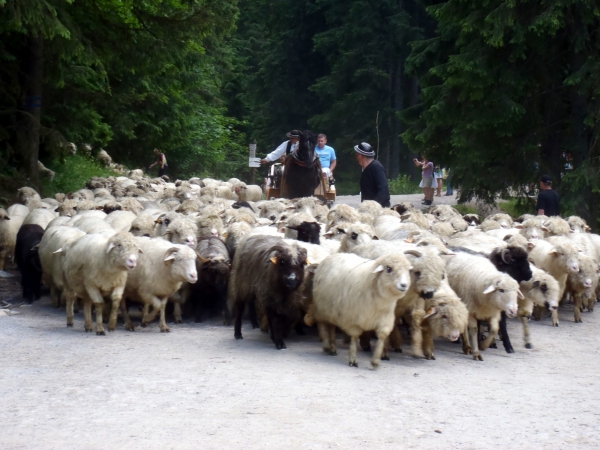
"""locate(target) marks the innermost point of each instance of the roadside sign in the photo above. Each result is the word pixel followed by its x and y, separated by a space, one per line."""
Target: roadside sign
pixel 253 162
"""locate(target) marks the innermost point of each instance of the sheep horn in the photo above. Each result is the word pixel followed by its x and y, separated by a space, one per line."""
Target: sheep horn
pixel 505 252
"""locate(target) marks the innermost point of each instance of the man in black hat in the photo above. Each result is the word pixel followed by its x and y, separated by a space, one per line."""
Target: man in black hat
pixel 373 181
pixel 284 149
pixel 548 201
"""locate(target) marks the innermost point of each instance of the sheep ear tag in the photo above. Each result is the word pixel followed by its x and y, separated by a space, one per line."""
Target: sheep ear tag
pixel 491 288
pixel 307 262
pixel 379 268
pixel 430 312
pixel 274 259
pixel 110 247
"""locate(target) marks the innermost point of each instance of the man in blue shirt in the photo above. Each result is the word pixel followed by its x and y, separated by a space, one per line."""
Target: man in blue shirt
pixel 326 155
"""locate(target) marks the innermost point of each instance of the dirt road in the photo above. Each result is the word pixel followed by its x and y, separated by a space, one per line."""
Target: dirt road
pixel 197 387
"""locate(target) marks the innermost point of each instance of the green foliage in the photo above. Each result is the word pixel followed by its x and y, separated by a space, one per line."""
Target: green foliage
pixel 464 208
pixel 516 207
pixel 72 173
pixel 403 185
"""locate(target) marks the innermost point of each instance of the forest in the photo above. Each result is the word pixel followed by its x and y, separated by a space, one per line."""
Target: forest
pixel 499 91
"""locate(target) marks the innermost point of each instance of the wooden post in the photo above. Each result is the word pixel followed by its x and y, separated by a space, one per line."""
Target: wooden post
pixel 252 148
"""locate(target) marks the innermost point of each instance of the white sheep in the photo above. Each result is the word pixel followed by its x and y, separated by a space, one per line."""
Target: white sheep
pixel 41 217
pixel 540 292
pixel 120 220
pixel 558 256
pixel 10 222
pixel 486 292
pixel 357 295
pixel 161 269
pixel 96 266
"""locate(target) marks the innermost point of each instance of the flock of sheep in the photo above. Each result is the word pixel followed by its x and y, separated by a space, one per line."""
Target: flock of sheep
pixel 212 247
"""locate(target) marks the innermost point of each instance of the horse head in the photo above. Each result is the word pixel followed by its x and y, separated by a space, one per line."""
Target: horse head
pixel 306 148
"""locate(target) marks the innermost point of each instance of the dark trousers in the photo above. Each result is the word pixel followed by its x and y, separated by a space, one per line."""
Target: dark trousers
pixel 163 171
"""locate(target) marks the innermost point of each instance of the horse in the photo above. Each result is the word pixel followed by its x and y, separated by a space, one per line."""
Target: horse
pixel 302 173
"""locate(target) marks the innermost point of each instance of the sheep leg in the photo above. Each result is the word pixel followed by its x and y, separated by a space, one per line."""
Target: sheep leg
pixel 427 342
pixel 299 329
pixel 162 323
pixel 416 335
pixel 505 339
pixel 466 346
pixel 494 327
pixel 145 310
pixel 177 312
pixel 555 318
pixel 276 324
pixel 252 314
pixel 99 326
pixel 128 323
pixel 395 339
pixel 537 313
pixel 116 297
pixel 55 296
pixel 590 303
pixel 239 312
pixel 87 313
pixel 352 352
pixel 365 341
pixel 526 334
pixel 264 324
pixel 149 318
pixel 578 301
pixel 325 335
pixel 70 302
pixel 382 338
pixel 473 329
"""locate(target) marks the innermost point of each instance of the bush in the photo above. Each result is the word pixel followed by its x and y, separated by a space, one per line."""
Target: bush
pixel 516 207
pixel 403 185
pixel 466 209
pixel 72 174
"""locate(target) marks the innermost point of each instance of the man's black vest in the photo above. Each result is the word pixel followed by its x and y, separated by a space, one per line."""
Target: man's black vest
pixel 288 148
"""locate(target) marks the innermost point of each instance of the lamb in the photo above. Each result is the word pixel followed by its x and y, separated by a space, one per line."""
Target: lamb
pixel 53 247
pixel 357 295
pixel 267 272
pixel 28 261
pixel 159 274
pixel 541 291
pixel 97 266
pixel 41 217
pixel 120 220
pixel 10 222
pixel 557 256
pixel 486 292
pixel 214 268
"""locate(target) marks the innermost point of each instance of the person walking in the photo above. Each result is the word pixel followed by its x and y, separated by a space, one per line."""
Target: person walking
pixel 448 179
pixel 326 155
pixel 438 174
pixel 548 201
pixel 162 160
pixel 284 149
pixel 427 179
pixel 373 181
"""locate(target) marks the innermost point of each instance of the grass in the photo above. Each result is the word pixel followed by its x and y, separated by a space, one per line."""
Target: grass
pixel 516 207
pixel 466 209
pixel 72 174
pixel 403 185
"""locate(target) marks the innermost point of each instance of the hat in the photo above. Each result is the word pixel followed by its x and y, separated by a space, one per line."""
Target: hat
pixel 293 134
pixel 364 149
pixel 546 179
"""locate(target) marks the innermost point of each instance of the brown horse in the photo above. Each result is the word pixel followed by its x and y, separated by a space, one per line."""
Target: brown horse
pixel 302 173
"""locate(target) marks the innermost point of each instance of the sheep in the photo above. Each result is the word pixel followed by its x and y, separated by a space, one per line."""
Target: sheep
pixel 92 225
pixel 97 266
pixel 308 205
pixel 443 229
pixel 249 193
pixel 445 212
pixel 472 219
pixel 164 220
pixel 401 208
pixel 58 222
pixel 486 292
pixel 446 315
pixel 303 227
pixel 557 256
pixel 26 194
pixel 44 170
pixel 557 226
pixel 577 224
pixel 209 226
pixel 161 270
pixel 477 242
pixel 370 207
pixel 53 247
pixel 214 268
pixel 532 228
pixel 120 220
pixel 41 217
pixel 384 223
pixel 416 217
pixel 524 218
pixel 225 192
pixel 10 222
pixel 582 284
pixel 182 231
pixel 87 205
pixel 427 272
pixel 235 233
pixel 353 235
pixel 271 210
pixel 541 291
pixel 267 272
pixel 400 231
pixel 341 213
pixel 504 220
pixel 357 295
pixel 488 225
pixel 458 223
pixel 28 261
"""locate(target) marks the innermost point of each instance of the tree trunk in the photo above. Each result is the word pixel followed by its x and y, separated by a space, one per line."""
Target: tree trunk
pixel 28 135
pixel 396 126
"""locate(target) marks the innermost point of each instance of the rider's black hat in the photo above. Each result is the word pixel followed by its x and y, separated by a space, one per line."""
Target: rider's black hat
pixel 293 134
pixel 364 149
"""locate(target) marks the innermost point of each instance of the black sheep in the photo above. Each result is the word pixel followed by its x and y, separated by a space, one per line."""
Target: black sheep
pixel 308 232
pixel 267 273
pixel 28 260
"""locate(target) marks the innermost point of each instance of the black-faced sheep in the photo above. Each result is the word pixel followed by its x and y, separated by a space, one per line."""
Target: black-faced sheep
pixel 28 261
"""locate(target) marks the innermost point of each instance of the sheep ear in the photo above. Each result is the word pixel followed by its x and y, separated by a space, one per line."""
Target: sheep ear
pixel 519 226
pixel 409 240
pixel 375 238
pixel 414 253
pixel 530 245
pixel 274 260
pixel 491 288
pixel 545 228
pixel 140 251
pixel 170 255
pixel 307 262
pixel 110 247
pixel 553 252
pixel 520 294
pixel 379 268
pixel 341 230
pixel 430 312
pixel 224 234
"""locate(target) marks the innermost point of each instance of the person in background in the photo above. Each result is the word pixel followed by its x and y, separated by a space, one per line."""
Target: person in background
pixel 284 149
pixel 162 160
pixel 373 181
pixel 439 176
pixel 326 155
pixel 548 201
pixel 427 179
pixel 448 179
